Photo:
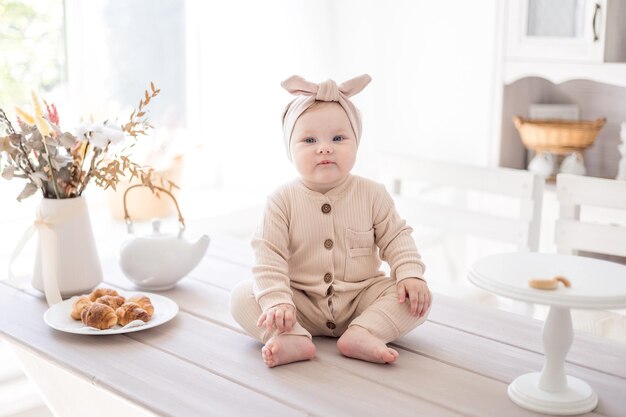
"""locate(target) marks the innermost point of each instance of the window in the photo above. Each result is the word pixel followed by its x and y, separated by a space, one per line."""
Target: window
pixel 32 41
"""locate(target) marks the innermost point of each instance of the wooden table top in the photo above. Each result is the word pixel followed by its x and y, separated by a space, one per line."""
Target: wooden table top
pixel 201 363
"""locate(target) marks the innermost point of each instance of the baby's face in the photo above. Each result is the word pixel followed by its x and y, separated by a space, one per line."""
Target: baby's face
pixel 323 146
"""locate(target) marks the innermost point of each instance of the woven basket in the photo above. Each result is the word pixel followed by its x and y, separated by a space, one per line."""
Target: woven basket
pixel 558 136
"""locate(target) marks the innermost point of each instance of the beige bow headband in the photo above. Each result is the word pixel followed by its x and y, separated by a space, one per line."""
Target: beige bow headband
pixel 308 93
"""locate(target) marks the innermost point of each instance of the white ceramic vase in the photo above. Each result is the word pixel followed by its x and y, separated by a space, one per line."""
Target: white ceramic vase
pixel 543 164
pixel 573 164
pixel 66 247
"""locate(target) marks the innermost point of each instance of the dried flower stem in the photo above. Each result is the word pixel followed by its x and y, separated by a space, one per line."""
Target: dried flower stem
pixel 54 181
pixel 89 172
pixel 82 159
pixel 93 166
pixel 5 120
pixel 32 169
pixel 132 126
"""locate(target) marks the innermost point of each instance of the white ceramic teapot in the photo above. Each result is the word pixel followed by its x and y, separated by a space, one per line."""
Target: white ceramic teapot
pixel 157 261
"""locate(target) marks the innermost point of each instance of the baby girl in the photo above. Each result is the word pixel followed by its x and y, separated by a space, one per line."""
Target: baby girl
pixel 320 244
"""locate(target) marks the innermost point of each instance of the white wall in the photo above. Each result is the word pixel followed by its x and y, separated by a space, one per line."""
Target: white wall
pixel 432 65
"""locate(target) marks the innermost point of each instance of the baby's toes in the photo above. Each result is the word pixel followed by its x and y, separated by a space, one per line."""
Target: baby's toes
pixel 266 352
pixel 268 358
pixel 388 355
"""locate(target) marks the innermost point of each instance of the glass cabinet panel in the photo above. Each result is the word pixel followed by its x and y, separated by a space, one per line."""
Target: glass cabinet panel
pixel 561 19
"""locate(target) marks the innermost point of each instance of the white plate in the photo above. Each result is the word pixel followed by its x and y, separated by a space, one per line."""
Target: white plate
pixel 58 316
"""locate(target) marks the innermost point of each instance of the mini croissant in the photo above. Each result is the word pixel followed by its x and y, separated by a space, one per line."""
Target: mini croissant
pixel 99 292
pixel 144 302
pixel 99 316
pixel 79 305
pixel 549 284
pixel 113 301
pixel 129 312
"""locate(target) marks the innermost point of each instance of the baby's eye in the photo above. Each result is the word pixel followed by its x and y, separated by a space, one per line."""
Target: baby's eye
pixel 337 138
pixel 309 140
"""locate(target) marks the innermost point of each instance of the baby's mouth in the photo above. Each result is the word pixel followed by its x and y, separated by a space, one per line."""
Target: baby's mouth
pixel 326 163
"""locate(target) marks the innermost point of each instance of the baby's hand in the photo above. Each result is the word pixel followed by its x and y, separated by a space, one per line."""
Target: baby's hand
pixel 418 293
pixel 284 315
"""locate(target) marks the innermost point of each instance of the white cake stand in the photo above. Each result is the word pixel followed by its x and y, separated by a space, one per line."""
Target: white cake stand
pixel 596 284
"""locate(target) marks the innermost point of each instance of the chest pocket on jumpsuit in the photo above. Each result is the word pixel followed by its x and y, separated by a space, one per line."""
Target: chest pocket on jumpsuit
pixel 361 259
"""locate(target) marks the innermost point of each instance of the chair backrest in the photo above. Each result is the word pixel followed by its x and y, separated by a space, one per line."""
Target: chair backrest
pixel 523 187
pixel 573 234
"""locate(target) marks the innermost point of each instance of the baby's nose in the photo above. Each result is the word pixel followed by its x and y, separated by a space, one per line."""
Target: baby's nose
pixel 325 149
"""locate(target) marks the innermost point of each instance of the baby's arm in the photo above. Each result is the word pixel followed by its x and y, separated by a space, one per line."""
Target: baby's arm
pixel 271 280
pixel 283 315
pixel 393 237
pixel 418 293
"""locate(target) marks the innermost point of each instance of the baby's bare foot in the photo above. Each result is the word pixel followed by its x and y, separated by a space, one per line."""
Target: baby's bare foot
pixel 359 343
pixel 287 348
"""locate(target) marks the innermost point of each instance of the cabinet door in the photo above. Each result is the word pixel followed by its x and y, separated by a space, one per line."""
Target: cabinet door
pixel 563 30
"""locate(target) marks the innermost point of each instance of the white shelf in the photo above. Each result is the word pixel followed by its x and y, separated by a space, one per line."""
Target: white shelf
pixel 559 72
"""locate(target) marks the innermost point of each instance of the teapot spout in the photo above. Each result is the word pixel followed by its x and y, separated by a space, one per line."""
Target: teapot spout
pixel 200 247
pixel 194 254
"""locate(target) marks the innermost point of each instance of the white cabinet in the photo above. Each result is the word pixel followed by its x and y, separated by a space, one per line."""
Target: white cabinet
pixel 541 64
pixel 584 31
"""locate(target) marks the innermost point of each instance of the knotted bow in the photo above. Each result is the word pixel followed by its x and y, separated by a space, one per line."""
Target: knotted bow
pixel 308 93
pixel 327 90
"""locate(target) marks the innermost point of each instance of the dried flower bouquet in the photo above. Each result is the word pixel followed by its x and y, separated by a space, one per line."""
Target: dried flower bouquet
pixel 61 163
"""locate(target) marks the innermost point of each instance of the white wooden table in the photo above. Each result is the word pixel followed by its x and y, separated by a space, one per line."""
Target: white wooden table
pixel 459 362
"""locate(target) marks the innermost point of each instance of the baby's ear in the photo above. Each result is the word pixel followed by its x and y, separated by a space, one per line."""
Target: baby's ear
pixel 354 85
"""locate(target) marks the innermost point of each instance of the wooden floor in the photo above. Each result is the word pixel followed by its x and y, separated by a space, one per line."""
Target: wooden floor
pixel 459 362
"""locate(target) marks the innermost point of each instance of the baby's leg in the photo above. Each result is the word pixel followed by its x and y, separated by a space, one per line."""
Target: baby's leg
pixel 380 319
pixel 295 345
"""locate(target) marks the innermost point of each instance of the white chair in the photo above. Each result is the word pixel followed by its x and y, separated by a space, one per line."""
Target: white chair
pixel 592 222
pixel 573 234
pixel 493 204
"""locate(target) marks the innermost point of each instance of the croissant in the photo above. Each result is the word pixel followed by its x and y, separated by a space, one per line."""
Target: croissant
pixel 128 312
pixel 99 316
pixel 144 302
pixel 79 305
pixel 99 292
pixel 113 301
